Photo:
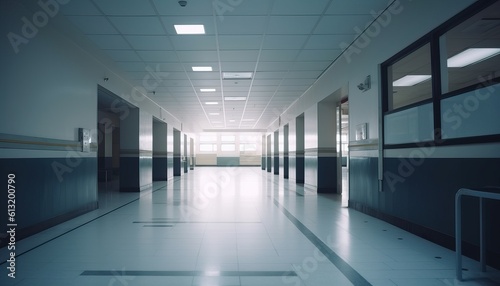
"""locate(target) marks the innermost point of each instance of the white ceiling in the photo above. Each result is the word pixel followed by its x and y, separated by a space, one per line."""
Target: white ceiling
pixel 288 44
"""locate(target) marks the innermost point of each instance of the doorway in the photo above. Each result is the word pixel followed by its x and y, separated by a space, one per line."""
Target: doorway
pixel 343 147
pixel 108 148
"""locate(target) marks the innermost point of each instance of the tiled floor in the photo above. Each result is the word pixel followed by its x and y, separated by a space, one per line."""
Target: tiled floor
pixel 231 226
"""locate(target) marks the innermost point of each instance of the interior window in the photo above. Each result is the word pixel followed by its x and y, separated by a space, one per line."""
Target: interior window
pixel 410 79
pixel 472 51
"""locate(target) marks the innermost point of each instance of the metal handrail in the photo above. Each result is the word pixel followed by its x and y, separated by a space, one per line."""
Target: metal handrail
pixel 458 226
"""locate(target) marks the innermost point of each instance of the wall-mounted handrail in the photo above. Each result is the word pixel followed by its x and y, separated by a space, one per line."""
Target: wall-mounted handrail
pixel 458 225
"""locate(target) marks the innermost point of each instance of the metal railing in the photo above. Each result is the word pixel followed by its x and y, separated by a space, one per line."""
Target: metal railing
pixel 458 225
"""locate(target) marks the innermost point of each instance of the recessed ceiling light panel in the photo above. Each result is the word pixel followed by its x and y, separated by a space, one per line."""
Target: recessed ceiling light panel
pixel 202 69
pixel 235 98
pixel 411 80
pixel 472 56
pixel 207 89
pixel 211 103
pixel 237 75
pixel 189 29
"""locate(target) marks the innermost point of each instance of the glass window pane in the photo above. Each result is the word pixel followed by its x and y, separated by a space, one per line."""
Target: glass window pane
pixel 248 147
pixel 208 138
pixel 472 51
pixel 227 138
pixel 227 147
pixel 468 114
pixel 410 79
pixel 208 147
pixel 411 125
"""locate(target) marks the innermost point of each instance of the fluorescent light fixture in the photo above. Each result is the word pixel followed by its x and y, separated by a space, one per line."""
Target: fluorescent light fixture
pixel 211 103
pixel 217 122
pixel 248 120
pixel 207 89
pixel 202 68
pixel 472 56
pixel 189 29
pixel 214 113
pixel 232 120
pixel 237 75
pixel 411 80
pixel 235 98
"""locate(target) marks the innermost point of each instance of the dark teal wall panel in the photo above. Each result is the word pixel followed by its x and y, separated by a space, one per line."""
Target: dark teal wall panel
pixel 286 167
pixel 327 175
pixel 228 161
pixel 420 197
pixel 44 198
pixel 160 165
pixel 129 174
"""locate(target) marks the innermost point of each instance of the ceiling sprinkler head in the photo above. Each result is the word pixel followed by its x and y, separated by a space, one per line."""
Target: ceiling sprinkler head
pixel 183 3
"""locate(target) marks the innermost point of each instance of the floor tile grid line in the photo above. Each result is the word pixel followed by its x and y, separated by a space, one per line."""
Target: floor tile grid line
pixel 83 224
pixel 350 273
pixel 306 188
pixel 187 273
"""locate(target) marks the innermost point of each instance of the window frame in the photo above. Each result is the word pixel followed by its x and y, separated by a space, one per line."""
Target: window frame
pixel 433 37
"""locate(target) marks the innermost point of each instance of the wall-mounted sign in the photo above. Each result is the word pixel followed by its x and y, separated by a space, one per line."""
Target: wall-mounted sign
pixel 84 138
pixel 361 131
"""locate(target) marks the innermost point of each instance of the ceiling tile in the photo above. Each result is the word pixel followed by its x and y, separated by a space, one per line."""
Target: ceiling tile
pixel 279 55
pixel 124 55
pixel 325 42
pixel 176 83
pixel 236 88
pixel 239 55
pixel 80 7
pixel 238 66
pixel 287 42
pixel 261 94
pixel 299 7
pixel 357 7
pixel 244 42
pixel 270 75
pixel 125 7
pixel 304 74
pixel 169 67
pixel 271 82
pixel 132 66
pixel 197 56
pixel 225 8
pixel 296 81
pixel 193 42
pixel 307 66
pixel 158 56
pixel 342 24
pixel 203 75
pixel 242 25
pixel 93 24
pixel 201 8
pixel 149 42
pixel 291 24
pixel 138 25
pixel 228 83
pixel 318 55
pixel 110 42
pixel 176 76
pixel 202 83
pixel 274 66
pixel 296 88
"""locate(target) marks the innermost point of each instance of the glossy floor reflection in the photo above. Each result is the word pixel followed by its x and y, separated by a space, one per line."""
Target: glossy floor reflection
pixel 232 226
